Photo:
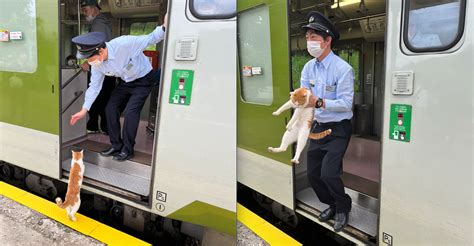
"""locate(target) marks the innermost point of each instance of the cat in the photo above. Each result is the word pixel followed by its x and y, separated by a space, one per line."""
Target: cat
pixel 299 127
pixel 73 200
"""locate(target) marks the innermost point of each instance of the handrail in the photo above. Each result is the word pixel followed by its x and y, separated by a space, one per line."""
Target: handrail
pixel 71 79
pixel 77 95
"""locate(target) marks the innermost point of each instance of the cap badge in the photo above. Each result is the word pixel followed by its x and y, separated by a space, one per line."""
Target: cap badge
pixel 311 19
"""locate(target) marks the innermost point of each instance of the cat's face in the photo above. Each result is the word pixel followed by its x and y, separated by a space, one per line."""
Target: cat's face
pixel 299 96
pixel 77 155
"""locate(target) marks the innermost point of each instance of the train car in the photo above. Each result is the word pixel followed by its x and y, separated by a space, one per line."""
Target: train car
pixel 184 164
pixel 408 167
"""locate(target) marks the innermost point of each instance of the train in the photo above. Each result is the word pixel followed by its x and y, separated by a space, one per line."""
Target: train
pixel 184 164
pixel 408 167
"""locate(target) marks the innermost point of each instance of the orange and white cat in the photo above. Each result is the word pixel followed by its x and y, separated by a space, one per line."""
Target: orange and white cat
pixel 299 127
pixel 73 200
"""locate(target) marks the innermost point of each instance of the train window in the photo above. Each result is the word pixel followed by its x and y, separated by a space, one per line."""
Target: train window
pixel 18 36
pixel 255 55
pixel 352 56
pixel 433 25
pixel 213 9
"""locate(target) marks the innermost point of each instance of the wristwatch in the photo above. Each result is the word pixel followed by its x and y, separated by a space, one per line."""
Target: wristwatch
pixel 319 103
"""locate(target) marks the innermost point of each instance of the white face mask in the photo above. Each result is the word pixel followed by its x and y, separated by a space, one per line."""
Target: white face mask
pixel 90 18
pixel 95 63
pixel 314 48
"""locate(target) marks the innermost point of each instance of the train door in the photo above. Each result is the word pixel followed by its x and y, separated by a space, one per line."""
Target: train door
pixel 426 186
pixel 195 162
pixel 29 88
pixel 263 86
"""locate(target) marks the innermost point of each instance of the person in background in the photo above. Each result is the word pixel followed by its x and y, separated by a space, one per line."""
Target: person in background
pixel 98 22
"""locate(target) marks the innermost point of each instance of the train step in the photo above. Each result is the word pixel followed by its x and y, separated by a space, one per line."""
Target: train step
pixel 128 176
pixel 362 218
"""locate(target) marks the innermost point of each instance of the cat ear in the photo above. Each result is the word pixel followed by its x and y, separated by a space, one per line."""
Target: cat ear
pixel 291 92
pixel 82 151
pixel 305 94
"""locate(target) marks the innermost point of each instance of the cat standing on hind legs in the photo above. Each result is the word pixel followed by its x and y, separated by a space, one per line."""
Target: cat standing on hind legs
pixel 299 127
pixel 73 200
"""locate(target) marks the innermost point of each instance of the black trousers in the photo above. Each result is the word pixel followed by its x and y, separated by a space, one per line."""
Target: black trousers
pixel 98 107
pixel 129 98
pixel 325 165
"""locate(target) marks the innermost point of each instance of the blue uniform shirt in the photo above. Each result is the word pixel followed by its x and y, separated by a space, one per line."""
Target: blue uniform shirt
pixel 125 60
pixel 331 79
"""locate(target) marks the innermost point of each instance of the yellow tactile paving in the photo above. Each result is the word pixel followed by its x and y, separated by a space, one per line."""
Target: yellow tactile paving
pixel 84 225
pixel 263 229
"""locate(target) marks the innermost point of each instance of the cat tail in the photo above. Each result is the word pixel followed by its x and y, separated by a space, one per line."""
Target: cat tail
pixel 60 203
pixel 320 135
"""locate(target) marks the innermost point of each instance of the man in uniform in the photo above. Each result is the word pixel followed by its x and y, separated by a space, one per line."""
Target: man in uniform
pixel 98 23
pixel 331 81
pixel 122 57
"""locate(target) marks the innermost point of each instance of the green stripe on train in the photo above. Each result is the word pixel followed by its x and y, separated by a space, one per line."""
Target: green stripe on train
pixel 202 213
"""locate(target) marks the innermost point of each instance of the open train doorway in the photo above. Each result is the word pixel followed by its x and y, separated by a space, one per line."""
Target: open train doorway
pixel 362 28
pixel 130 178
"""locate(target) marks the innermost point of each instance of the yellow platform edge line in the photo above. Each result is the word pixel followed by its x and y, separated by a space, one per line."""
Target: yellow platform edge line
pixel 263 229
pixel 84 225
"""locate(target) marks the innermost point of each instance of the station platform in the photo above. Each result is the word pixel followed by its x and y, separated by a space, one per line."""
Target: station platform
pixel 26 219
pixel 253 230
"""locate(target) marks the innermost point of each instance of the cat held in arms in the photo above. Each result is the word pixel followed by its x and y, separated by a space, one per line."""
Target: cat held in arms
pixel 299 127
pixel 73 200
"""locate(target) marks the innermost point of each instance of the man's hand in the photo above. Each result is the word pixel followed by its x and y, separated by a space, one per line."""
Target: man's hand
pixel 85 66
pixel 77 116
pixel 312 101
pixel 165 21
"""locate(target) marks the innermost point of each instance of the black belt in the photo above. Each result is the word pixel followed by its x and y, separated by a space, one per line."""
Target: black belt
pixel 330 123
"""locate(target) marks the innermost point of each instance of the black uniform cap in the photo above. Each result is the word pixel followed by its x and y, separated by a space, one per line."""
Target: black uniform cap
pixel 90 3
pixel 319 22
pixel 88 44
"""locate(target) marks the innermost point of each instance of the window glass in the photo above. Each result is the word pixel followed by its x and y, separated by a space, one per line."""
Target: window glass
pixel 18 36
pixel 213 9
pixel 255 55
pixel 352 56
pixel 433 25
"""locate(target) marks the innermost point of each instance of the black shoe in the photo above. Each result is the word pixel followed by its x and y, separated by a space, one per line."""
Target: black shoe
pixel 110 152
pixel 122 156
pixel 327 214
pixel 340 221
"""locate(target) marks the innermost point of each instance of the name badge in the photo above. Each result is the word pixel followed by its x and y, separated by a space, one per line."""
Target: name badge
pixel 331 88
pixel 129 66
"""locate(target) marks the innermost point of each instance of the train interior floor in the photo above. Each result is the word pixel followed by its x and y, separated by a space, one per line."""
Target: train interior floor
pixel 129 178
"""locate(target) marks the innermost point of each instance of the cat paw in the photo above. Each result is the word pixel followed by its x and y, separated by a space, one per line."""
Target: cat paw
pixel 275 113
pixel 73 219
pixel 295 161
pixel 270 149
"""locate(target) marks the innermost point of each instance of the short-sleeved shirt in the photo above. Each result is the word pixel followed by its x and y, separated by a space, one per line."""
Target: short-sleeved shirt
pixel 331 79
pixel 125 60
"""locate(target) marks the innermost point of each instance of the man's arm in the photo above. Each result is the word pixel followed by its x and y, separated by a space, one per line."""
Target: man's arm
pixel 344 93
pixel 97 79
pixel 139 43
